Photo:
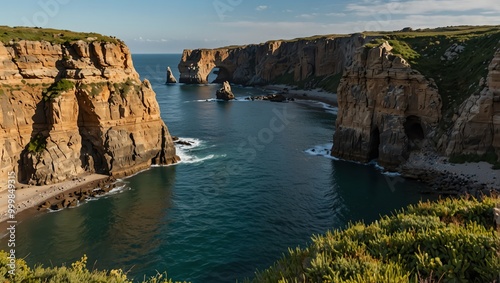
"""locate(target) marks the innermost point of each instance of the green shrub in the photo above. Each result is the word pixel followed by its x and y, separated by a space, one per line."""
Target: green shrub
pixel 490 156
pixel 56 89
pixel 37 144
pixel 452 240
pixel 76 273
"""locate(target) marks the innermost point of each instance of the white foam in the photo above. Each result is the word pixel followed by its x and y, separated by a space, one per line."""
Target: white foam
pixel 187 152
pixel 323 150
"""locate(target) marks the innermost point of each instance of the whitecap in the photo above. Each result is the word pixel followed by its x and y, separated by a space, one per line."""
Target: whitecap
pixel 187 152
pixel 324 150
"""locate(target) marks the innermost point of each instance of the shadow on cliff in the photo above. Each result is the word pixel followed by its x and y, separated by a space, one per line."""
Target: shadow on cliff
pixel 39 134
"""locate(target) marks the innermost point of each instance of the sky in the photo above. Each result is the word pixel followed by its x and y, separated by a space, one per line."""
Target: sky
pixel 162 26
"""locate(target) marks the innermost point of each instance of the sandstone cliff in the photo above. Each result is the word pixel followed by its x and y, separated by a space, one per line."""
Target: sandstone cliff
pixel 69 108
pixel 386 108
pixel 295 60
pixel 476 126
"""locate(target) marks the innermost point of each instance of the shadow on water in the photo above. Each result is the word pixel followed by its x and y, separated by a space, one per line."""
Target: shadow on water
pixel 367 193
pixel 122 229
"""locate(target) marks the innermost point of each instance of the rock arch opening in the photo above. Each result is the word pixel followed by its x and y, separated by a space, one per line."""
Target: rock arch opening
pixel 414 131
pixel 374 144
pixel 219 75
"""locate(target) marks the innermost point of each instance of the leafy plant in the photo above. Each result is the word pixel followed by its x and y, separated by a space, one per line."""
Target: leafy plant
pixel 37 144
pixel 76 273
pixel 56 89
pixel 453 240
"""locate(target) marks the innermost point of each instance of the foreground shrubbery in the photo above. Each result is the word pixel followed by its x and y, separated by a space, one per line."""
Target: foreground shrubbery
pixel 448 241
pixel 454 240
pixel 76 273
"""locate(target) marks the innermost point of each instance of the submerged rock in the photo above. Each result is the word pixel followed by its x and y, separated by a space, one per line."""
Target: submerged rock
pixel 225 93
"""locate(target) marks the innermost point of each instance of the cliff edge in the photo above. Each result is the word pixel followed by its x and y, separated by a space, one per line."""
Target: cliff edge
pixel 75 106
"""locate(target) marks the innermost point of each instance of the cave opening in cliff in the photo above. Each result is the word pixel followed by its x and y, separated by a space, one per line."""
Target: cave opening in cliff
pixel 219 75
pixel 374 144
pixel 414 131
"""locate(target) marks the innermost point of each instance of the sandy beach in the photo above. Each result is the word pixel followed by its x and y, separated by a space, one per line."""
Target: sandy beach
pixel 30 197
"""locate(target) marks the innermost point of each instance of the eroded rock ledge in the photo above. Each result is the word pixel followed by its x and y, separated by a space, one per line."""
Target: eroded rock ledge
pixel 260 64
pixel 385 108
pixel 76 107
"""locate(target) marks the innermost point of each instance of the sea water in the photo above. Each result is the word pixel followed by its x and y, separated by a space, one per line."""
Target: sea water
pixel 256 180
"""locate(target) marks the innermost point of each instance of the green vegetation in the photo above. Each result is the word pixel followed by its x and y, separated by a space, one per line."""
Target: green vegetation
pixel 37 144
pixel 8 34
pixel 94 89
pixel 76 273
pixel 490 156
pixel 56 89
pixel 456 79
pixel 126 87
pixel 453 240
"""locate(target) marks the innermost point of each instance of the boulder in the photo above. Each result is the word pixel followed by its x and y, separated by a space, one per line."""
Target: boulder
pixel 225 93
pixel 170 77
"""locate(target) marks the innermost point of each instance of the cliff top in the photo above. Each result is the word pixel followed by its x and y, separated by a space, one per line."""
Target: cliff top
pixel 452 31
pixel 8 34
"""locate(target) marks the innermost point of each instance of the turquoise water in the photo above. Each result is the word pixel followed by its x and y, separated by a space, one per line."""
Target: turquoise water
pixel 255 182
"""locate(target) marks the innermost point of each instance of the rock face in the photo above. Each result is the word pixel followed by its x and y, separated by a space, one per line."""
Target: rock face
pixel 263 63
pixel 76 107
pixel 170 77
pixel 225 93
pixel 476 128
pixel 386 109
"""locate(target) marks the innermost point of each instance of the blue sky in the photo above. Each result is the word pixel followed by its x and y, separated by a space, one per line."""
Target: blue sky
pixel 154 26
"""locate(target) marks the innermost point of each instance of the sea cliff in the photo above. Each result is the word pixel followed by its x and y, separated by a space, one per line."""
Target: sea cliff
pixel 427 90
pixel 73 103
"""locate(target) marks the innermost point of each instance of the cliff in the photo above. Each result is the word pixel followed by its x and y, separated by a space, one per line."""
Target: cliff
pixel 398 92
pixel 385 108
pixel 74 107
pixel 273 61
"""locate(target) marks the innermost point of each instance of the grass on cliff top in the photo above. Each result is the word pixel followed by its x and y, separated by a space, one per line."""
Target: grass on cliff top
pixel 8 34
pixel 453 240
pixel 456 79
pixel 76 273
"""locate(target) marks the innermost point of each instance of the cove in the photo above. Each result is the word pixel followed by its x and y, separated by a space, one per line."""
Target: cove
pixel 250 185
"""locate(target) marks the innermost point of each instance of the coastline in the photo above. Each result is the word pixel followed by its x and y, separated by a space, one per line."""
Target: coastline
pixel 443 177
pixel 29 198
pixel 312 94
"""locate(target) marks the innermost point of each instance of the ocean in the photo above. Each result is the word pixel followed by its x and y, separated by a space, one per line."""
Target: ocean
pixel 256 180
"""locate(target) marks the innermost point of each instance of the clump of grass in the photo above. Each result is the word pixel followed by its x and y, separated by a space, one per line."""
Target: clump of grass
pixel 490 156
pixel 452 240
pixel 77 272
pixel 8 34
pixel 37 144
pixel 56 89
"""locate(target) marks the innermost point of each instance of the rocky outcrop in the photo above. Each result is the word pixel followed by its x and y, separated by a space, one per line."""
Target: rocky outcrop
pixel 76 107
pixel 170 77
pixel 386 108
pixel 296 60
pixel 225 92
pixel 476 126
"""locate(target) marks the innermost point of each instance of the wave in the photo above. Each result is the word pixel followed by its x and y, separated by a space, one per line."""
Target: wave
pixel 324 150
pixel 187 152
pixel 238 99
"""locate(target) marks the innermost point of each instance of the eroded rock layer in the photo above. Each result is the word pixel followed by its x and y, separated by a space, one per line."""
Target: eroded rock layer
pixel 386 108
pixel 476 126
pixel 263 63
pixel 76 107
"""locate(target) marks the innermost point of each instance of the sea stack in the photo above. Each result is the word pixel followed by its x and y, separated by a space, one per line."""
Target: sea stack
pixel 170 77
pixel 225 93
